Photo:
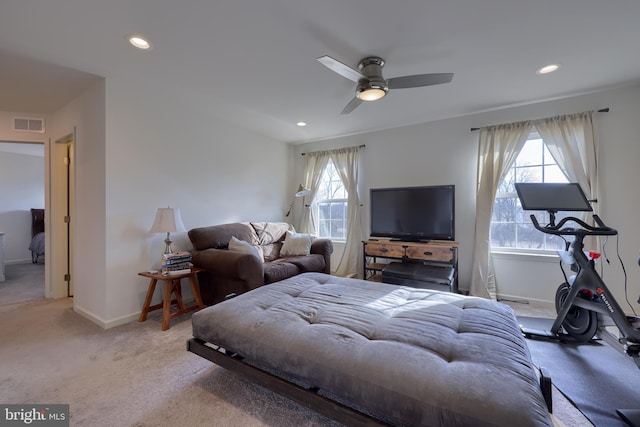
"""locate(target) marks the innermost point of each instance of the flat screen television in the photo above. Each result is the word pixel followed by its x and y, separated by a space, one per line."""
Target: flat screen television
pixel 413 213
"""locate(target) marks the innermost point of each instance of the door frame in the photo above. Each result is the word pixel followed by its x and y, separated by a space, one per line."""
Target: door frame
pixel 60 198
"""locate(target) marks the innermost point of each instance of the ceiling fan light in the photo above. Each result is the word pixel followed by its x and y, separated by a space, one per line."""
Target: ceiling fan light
pixel 371 90
pixel 371 94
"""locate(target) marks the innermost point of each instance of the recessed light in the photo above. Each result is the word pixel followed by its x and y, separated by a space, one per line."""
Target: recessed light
pixel 548 69
pixel 301 124
pixel 139 42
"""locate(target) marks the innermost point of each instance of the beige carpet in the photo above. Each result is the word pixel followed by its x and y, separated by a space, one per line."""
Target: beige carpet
pixel 23 282
pixel 137 375
pixel 134 375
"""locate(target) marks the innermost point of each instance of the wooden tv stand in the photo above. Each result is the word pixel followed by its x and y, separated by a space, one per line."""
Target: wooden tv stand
pixel 377 253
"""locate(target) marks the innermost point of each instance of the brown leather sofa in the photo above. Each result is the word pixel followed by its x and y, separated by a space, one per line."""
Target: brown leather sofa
pixel 232 272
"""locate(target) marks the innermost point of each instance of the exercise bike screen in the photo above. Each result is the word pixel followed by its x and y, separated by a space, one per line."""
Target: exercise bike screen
pixel 552 197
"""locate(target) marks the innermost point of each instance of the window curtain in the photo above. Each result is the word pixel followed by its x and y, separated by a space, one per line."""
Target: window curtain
pixel 497 149
pixel 572 143
pixel 316 164
pixel 346 162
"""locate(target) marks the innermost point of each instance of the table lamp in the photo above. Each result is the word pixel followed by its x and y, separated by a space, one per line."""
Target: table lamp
pixel 168 220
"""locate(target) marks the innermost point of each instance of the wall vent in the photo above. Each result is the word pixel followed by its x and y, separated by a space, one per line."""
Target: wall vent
pixel 28 124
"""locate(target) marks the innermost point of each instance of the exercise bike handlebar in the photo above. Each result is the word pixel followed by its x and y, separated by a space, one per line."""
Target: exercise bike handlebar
pixel 584 229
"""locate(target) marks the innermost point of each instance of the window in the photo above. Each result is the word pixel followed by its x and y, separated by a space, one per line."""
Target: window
pixel 331 205
pixel 511 227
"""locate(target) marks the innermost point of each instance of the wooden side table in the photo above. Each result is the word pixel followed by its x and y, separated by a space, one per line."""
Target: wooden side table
pixel 171 286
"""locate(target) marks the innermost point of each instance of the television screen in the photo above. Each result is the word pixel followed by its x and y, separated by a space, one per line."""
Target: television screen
pixel 552 197
pixel 413 213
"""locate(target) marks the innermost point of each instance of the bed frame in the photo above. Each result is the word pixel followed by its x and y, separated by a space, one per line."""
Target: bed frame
pixel 37 222
pixel 247 362
pixel 37 234
pixel 307 397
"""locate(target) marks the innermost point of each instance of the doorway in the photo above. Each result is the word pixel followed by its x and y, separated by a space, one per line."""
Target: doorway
pixel 22 189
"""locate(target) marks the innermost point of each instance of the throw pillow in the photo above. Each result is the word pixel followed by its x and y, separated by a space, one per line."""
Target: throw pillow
pixel 296 244
pixel 246 248
pixel 271 232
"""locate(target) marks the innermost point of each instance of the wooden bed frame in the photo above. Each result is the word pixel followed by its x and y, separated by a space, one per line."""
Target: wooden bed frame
pixel 37 221
pixel 307 397
pixel 37 234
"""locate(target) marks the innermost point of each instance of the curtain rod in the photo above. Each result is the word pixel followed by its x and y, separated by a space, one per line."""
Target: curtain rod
pixel 603 110
pixel 359 146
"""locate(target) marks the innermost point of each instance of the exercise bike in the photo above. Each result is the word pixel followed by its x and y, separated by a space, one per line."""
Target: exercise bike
pixel 583 295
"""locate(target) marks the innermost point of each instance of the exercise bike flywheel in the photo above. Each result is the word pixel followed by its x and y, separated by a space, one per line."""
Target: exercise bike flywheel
pixel 580 324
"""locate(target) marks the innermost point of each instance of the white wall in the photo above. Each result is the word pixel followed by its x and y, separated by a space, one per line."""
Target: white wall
pixel 162 151
pixel 140 147
pixel 445 152
pixel 21 188
pixel 85 114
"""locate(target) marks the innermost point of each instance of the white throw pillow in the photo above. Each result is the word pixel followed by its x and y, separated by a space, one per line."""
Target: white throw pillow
pixel 246 248
pixel 296 244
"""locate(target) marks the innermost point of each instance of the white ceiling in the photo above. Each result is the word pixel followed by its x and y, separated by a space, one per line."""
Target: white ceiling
pixel 254 62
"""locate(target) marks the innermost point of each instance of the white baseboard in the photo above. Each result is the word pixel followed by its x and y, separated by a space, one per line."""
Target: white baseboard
pixel 122 320
pixel 106 324
pixel 538 302
pixel 19 261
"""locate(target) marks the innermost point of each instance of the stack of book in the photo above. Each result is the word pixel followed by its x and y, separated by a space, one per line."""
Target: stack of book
pixel 176 263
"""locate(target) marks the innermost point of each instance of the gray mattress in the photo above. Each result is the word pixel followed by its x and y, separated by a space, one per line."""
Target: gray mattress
pixel 408 356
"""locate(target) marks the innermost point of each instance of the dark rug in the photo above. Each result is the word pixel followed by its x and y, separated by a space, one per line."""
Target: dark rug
pixel 596 377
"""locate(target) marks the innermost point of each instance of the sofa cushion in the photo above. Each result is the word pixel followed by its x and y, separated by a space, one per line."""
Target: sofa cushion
pixel 246 248
pixel 307 263
pixel 271 251
pixel 270 232
pixel 218 236
pixel 279 270
pixel 296 244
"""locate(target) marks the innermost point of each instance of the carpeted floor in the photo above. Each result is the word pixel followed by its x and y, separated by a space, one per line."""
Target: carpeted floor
pixel 137 375
pixel 23 282
pixel 133 375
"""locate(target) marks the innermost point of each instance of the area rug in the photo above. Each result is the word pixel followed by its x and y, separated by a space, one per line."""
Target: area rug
pixel 597 378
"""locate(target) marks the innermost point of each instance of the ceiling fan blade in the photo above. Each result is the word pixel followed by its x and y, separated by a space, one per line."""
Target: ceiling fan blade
pixel 351 105
pixel 340 68
pixel 419 80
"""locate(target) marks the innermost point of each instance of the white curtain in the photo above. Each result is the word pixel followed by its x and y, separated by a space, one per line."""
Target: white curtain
pixel 346 162
pixel 316 164
pixel 571 142
pixel 497 149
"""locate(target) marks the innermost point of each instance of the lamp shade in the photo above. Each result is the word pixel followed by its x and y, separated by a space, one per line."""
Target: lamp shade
pixel 302 191
pixel 168 220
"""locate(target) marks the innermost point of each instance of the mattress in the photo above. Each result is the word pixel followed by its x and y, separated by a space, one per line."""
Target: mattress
pixel 407 356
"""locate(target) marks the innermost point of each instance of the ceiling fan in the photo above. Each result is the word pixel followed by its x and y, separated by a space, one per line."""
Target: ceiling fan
pixel 371 85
